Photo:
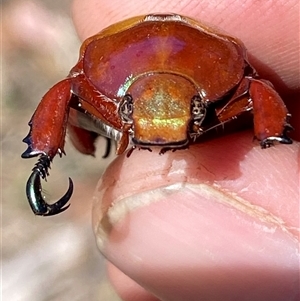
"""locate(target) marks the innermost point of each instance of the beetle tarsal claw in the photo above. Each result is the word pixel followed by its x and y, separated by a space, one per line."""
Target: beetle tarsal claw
pixel 36 199
pixel 269 141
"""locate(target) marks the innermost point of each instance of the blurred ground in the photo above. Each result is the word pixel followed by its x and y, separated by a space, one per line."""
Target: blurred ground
pixel 44 258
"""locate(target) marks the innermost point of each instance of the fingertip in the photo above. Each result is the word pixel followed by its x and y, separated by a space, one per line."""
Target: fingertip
pixel 169 221
pixel 127 288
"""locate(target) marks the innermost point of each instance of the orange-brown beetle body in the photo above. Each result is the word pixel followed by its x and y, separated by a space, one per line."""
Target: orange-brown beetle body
pixel 153 80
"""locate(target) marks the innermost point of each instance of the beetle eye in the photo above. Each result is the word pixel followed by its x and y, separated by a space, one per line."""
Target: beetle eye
pixel 126 108
pixel 198 112
pixel 198 109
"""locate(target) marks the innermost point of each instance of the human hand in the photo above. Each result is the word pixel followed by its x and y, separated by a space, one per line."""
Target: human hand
pixel 218 221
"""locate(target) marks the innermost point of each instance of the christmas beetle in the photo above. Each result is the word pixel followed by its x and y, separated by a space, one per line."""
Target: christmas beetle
pixel 160 80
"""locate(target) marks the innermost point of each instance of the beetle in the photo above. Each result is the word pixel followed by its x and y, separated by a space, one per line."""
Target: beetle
pixel 158 80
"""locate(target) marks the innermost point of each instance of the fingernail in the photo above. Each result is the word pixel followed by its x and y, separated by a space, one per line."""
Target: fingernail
pixel 206 199
pixel 181 235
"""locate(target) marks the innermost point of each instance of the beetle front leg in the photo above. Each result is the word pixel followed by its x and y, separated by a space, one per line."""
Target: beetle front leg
pixel 270 114
pixel 269 111
pixel 46 138
pixel 34 189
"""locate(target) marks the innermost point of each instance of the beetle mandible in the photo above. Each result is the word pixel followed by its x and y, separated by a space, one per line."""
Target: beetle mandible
pixel 150 81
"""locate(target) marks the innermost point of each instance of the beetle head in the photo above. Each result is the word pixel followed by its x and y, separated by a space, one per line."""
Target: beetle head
pixel 159 106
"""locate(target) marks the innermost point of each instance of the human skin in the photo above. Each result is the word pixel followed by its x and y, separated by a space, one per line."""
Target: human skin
pixel 219 221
